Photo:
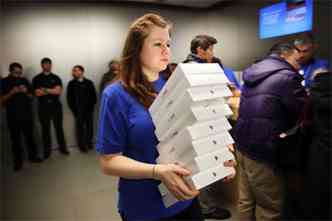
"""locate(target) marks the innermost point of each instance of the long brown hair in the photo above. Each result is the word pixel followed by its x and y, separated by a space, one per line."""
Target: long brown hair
pixel 131 76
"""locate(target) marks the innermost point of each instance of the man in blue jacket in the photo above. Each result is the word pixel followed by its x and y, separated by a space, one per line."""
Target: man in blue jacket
pixel 310 65
pixel 272 99
pixel 202 51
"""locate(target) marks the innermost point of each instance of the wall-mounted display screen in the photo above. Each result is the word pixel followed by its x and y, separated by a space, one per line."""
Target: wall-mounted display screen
pixel 287 17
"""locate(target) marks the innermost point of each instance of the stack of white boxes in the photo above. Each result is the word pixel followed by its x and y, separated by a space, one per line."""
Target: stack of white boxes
pixel 190 119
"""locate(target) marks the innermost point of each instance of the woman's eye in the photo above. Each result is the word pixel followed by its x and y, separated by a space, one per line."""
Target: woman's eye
pixel 168 45
pixel 157 44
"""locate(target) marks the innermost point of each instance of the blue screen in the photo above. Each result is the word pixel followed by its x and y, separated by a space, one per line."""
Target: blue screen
pixel 288 17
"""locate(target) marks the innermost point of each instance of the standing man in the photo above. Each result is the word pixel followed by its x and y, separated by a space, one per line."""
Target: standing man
pixel 82 98
pixel 272 100
pixel 111 75
pixel 202 51
pixel 16 96
pixel 310 65
pixel 48 88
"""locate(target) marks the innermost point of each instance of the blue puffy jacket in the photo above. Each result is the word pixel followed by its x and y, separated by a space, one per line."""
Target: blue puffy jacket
pixel 271 102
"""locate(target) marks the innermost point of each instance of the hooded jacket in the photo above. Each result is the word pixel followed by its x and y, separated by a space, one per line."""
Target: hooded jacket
pixel 272 99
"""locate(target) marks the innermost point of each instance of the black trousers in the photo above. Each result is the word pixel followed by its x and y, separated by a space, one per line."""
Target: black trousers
pixel 192 213
pixel 17 130
pixel 84 129
pixel 52 113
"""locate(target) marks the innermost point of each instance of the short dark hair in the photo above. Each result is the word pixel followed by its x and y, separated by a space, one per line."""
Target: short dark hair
pixel 281 48
pixel 79 67
pixel 202 41
pixel 14 65
pixel 46 60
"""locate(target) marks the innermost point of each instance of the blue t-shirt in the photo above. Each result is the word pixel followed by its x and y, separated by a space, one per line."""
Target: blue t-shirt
pixel 231 77
pixel 308 70
pixel 125 126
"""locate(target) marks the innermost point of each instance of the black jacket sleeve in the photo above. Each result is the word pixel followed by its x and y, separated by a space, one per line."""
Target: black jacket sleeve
pixel 58 81
pixel 71 97
pixel 29 86
pixel 35 83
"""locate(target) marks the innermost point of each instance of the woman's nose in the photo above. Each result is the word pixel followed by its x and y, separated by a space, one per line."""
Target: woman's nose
pixel 165 49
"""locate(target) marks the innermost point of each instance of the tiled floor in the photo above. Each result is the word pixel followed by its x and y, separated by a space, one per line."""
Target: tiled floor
pixel 63 188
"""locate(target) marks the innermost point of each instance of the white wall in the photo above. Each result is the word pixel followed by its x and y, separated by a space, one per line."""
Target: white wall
pixel 87 34
pixel 92 34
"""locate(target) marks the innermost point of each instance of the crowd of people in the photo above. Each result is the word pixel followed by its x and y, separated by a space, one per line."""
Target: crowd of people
pixel 284 99
pixel 17 94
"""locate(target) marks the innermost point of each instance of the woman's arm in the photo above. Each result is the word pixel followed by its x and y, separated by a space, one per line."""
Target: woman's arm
pixel 121 166
pixel 171 175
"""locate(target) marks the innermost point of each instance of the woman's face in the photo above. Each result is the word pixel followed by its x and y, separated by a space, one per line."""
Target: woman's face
pixel 155 54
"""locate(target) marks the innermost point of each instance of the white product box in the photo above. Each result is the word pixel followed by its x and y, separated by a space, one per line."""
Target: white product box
pixel 173 122
pixel 199 181
pixel 206 161
pixel 186 135
pixel 183 100
pixel 182 149
pixel 188 76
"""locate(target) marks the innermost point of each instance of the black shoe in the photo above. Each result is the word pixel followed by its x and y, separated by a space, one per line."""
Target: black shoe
pixel 84 149
pixel 217 213
pixel 47 155
pixel 90 146
pixel 64 151
pixel 36 160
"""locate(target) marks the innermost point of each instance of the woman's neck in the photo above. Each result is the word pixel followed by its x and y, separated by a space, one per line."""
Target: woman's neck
pixel 151 75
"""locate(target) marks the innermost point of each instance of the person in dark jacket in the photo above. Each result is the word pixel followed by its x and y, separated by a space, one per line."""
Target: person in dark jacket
pixel 317 177
pixel 272 98
pixel 110 76
pixel 16 96
pixel 48 89
pixel 82 98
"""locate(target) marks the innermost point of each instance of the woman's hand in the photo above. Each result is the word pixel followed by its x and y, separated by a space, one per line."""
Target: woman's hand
pixel 230 163
pixel 231 148
pixel 173 177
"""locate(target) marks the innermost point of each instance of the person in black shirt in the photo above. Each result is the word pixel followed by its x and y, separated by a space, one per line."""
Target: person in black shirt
pixel 48 88
pixel 82 98
pixel 16 95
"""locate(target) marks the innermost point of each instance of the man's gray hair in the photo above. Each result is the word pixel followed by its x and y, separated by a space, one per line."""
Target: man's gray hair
pixel 305 38
pixel 281 48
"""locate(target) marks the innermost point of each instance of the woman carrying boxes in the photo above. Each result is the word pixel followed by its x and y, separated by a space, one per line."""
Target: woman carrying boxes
pixel 126 141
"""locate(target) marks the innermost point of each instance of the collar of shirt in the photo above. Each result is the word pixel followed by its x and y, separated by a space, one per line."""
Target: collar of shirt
pixel 79 79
